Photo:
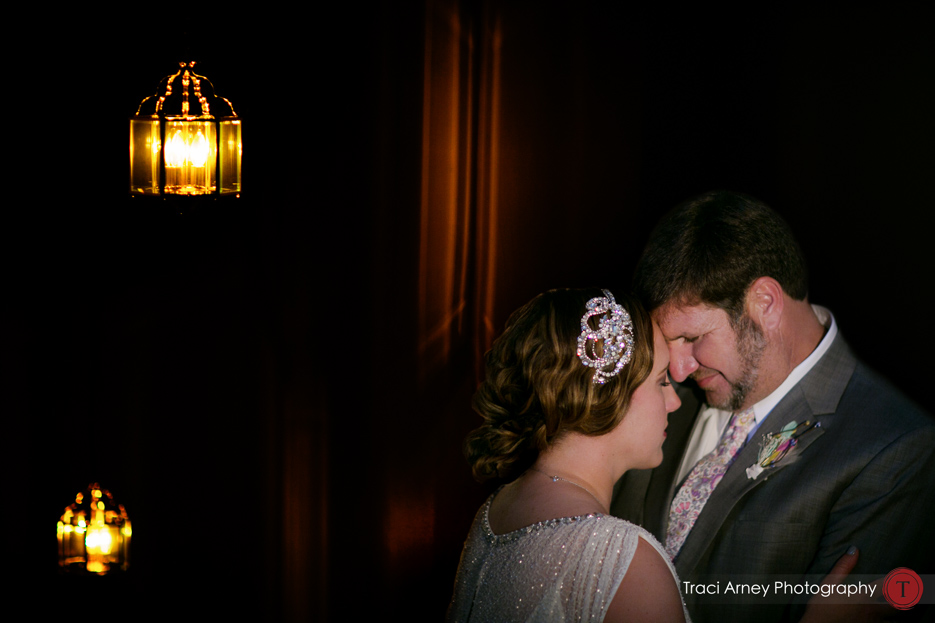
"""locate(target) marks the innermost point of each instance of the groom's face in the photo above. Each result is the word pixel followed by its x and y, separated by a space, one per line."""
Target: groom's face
pixel 723 359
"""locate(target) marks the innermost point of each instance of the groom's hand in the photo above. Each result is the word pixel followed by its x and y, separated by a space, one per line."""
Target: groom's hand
pixel 841 608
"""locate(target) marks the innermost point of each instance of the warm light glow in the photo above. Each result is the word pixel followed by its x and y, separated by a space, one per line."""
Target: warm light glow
pixel 198 151
pixel 176 150
pixel 188 157
pixel 180 153
pixel 98 541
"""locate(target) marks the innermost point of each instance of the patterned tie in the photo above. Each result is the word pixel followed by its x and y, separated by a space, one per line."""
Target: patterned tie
pixel 702 480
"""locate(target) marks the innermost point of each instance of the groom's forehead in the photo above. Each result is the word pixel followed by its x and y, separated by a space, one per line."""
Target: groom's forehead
pixel 688 320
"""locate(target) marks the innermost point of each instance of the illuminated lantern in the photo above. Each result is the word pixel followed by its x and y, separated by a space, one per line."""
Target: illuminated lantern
pixel 94 533
pixel 185 140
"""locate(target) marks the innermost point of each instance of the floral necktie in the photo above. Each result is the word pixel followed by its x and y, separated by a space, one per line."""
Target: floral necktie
pixel 701 481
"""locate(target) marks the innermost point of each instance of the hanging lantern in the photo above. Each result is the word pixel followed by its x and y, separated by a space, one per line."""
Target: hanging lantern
pixel 185 140
pixel 94 533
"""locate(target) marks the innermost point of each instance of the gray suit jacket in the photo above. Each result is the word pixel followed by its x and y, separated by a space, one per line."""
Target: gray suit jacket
pixel 865 478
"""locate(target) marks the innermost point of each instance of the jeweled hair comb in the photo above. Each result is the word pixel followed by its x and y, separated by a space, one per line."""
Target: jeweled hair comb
pixel 614 331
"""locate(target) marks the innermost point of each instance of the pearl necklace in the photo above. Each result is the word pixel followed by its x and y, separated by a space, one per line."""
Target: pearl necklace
pixel 571 482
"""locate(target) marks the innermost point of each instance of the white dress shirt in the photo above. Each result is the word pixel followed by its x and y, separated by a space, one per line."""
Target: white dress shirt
pixel 711 423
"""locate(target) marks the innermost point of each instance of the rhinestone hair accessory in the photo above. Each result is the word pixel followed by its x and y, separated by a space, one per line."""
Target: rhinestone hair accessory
pixel 614 328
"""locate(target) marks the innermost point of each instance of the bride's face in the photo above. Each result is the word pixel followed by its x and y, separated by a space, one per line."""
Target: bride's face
pixel 643 428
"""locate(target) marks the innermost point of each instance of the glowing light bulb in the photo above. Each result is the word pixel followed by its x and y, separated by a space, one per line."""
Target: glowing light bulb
pixel 176 150
pixel 198 152
pixel 98 541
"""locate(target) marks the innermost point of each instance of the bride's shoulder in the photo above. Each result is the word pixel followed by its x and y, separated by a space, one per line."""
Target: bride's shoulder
pixel 647 536
pixel 623 526
pixel 649 591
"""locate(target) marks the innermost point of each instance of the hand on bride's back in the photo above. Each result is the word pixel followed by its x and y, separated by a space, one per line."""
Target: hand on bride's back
pixel 838 607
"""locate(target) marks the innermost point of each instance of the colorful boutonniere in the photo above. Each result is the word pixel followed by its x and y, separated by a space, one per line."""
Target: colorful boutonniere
pixel 775 446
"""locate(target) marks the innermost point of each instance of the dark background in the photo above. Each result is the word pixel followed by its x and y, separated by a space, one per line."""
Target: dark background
pixel 263 384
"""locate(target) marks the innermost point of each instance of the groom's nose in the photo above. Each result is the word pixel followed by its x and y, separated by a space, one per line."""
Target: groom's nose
pixel 681 361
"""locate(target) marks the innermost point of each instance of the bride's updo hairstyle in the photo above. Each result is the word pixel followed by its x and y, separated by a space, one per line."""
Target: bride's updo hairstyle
pixel 537 388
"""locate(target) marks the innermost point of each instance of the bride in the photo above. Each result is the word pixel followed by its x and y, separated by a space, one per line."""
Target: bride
pixel 576 393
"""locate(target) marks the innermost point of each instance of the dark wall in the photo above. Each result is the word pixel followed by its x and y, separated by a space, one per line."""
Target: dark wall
pixel 245 378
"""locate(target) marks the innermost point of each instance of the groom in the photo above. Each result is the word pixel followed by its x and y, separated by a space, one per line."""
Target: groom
pixel 787 450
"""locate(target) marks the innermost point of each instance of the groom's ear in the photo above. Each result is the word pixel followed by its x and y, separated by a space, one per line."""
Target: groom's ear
pixel 765 302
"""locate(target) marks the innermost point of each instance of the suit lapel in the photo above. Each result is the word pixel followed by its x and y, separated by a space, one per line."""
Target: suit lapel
pixel 815 397
pixel 735 485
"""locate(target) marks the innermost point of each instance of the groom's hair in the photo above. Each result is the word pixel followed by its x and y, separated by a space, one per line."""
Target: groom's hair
pixel 710 249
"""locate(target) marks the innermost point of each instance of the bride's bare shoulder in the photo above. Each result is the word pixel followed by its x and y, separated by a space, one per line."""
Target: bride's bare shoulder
pixel 648 592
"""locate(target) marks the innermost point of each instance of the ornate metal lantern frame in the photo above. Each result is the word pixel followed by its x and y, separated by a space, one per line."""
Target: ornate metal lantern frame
pixel 94 533
pixel 185 141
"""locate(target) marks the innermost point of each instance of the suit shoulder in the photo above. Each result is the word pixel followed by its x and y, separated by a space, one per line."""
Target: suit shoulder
pixel 869 384
pixel 869 396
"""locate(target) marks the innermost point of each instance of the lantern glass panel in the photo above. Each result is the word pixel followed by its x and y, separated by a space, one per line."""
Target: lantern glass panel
pixel 231 146
pixel 144 156
pixel 190 157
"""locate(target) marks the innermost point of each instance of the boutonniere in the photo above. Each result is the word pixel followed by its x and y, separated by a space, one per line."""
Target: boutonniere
pixel 774 446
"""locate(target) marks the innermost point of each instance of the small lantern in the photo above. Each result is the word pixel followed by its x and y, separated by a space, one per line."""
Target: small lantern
pixel 94 533
pixel 185 140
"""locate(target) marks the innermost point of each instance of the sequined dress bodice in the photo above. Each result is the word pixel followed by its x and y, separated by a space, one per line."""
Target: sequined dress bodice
pixel 564 569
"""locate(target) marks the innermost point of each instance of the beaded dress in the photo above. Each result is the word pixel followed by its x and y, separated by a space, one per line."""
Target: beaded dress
pixel 557 570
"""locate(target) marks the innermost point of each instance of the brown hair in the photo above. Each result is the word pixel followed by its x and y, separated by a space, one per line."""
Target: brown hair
pixel 711 248
pixel 536 388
